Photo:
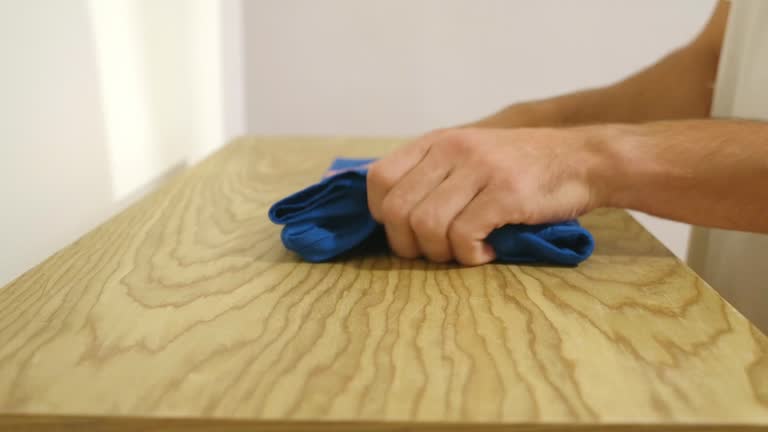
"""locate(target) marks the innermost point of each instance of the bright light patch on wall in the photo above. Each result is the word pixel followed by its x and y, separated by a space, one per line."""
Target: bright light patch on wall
pixel 206 60
pixel 120 57
pixel 171 84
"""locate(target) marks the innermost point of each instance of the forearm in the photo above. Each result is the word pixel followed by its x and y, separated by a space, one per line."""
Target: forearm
pixel 704 172
pixel 679 86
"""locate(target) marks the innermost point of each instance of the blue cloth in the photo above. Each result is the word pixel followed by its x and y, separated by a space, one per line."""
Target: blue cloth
pixel 331 218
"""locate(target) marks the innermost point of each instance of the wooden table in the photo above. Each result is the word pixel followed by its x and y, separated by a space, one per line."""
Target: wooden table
pixel 184 312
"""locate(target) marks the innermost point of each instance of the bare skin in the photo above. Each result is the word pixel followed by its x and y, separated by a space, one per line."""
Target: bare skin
pixel 644 143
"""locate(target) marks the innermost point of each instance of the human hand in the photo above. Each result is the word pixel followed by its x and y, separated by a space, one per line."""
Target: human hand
pixel 442 194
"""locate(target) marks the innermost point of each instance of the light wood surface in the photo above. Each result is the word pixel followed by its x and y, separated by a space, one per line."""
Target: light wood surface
pixel 185 313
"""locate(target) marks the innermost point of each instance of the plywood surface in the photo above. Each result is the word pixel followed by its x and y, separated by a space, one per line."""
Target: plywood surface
pixel 186 310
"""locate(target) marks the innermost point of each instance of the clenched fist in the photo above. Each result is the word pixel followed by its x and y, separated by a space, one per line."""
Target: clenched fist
pixel 441 195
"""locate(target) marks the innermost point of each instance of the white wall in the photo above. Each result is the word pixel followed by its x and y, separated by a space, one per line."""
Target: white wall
pixel 54 168
pixel 99 100
pixel 401 67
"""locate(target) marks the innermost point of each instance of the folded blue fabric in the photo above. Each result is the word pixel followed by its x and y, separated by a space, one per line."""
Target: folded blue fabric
pixel 331 217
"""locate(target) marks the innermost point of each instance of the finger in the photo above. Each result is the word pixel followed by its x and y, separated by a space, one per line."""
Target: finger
pixel 382 176
pixel 386 172
pixel 399 203
pixel 470 228
pixel 413 187
pixel 402 241
pixel 432 217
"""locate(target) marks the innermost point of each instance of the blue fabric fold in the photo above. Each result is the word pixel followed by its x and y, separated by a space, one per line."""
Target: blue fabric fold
pixel 331 218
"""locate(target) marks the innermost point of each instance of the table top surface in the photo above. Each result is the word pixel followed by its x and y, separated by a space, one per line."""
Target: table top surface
pixel 186 307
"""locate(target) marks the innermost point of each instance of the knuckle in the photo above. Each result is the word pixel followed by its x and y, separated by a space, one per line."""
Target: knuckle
pixel 425 224
pixel 459 140
pixel 380 176
pixel 393 210
pixel 454 141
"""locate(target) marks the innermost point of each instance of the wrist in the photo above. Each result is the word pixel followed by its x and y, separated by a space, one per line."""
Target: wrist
pixel 615 163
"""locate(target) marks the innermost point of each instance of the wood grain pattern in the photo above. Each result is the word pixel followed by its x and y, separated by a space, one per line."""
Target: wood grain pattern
pixel 186 306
